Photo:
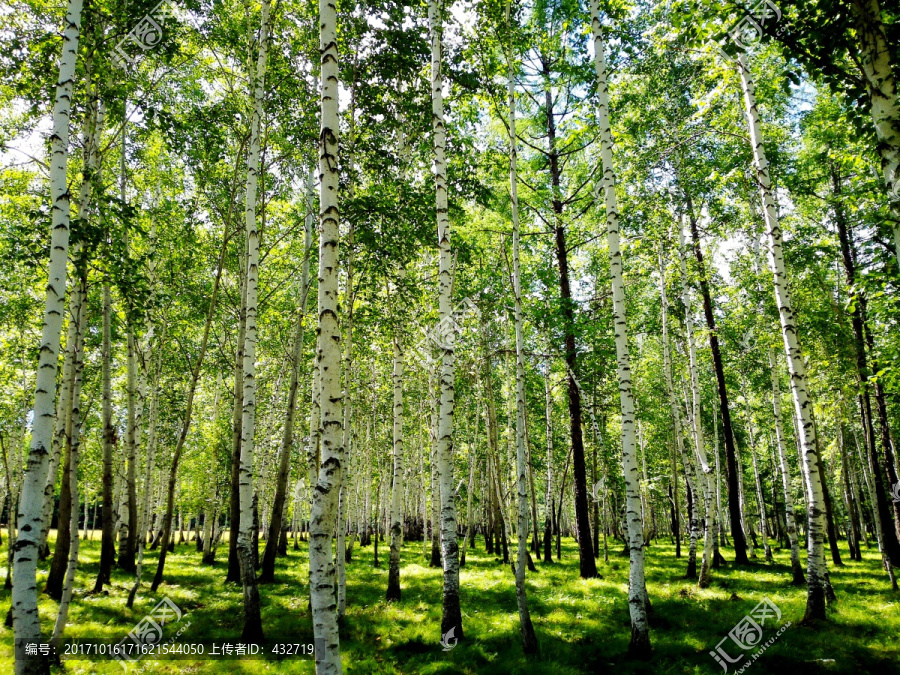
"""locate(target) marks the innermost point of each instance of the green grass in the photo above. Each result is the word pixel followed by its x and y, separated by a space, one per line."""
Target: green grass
pixel 582 625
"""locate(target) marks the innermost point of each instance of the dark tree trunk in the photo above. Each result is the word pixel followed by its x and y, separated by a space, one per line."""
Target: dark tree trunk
pixel 60 560
pixel 676 526
pixel 587 564
pixel 890 527
pixel 734 504
pixel 234 502
pixel 692 556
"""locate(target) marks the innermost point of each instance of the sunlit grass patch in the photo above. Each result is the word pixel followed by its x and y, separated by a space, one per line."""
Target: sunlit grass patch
pixel 582 625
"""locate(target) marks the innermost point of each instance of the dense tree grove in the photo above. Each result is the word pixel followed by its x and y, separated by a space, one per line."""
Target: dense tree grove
pixel 294 281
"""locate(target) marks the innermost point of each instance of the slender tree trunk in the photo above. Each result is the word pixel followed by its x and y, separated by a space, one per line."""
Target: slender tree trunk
pixel 877 70
pixel 529 640
pixel 72 420
pixel 815 603
pixel 128 511
pixel 53 587
pixel 849 498
pixel 470 526
pixel 323 512
pixel 74 444
pixel 548 497
pixel 152 438
pixel 451 619
pixel 26 622
pixel 186 424
pixel 689 475
pixel 761 504
pixel 267 574
pixel 233 575
pixel 249 530
pixel 697 427
pixel 789 512
pixel 637 589
pixel 763 526
pixel 890 465
pixel 587 564
pixel 59 435
pixel 393 588
pixel 732 465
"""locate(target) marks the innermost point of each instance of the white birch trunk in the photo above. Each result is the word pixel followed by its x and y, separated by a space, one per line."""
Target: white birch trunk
pixel 469 494
pixel 26 622
pixel 152 439
pixel 548 496
pixel 393 589
pixel 451 619
pixel 761 504
pixel 246 540
pixel 875 62
pixel 423 506
pixel 90 141
pixel 323 511
pixel 529 640
pixel 815 604
pixel 59 433
pixel 706 482
pixel 689 474
pixel 75 440
pixel 637 589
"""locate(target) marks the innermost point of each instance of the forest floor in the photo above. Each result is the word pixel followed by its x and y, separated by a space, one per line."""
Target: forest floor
pixel 582 625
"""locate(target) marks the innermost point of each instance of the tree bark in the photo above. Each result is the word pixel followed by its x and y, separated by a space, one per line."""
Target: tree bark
pixel 703 466
pixel 267 573
pixel 451 619
pixel 815 602
pixel 877 69
pixel 529 640
pixel 393 588
pixel 323 512
pixel 732 467
pixel 637 589
pixel 26 622
pixel 548 497
pixel 72 454
pixel 789 512
pixel 587 564
pixel 881 506
pixel 248 532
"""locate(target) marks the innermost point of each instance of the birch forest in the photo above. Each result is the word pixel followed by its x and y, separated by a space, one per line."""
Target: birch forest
pixel 454 336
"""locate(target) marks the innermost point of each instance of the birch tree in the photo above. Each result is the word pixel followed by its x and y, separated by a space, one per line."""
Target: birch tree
pixel 789 517
pixel 393 589
pixel 267 573
pixel 323 511
pixel 451 619
pixel 815 571
pixel 529 641
pixel 74 441
pixel 26 622
pixel 637 589
pixel 706 482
